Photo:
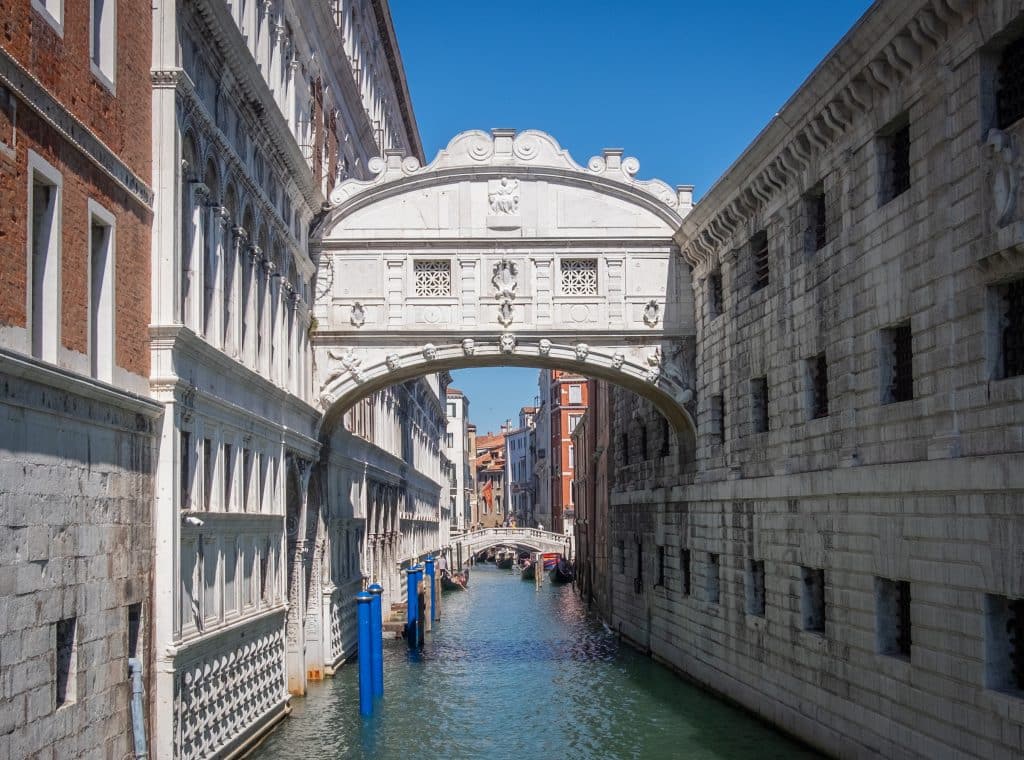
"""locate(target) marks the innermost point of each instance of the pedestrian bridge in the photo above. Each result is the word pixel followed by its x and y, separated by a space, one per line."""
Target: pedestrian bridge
pixel 533 538
pixel 504 251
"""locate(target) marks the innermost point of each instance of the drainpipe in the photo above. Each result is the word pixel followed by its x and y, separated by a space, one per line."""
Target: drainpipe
pixel 138 720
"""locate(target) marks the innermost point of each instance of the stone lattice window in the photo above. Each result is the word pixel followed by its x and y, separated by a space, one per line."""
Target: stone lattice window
pixel 579 277
pixel 433 277
pixel 759 259
pixel 1010 85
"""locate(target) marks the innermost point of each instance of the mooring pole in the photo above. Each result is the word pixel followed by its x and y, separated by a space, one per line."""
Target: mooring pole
pixel 377 639
pixel 412 605
pixel 429 562
pixel 364 601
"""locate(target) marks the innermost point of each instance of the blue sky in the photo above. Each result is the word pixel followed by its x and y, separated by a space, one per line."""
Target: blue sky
pixel 682 86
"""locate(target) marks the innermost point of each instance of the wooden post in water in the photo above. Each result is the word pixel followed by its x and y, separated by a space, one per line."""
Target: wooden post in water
pixel 538 569
pixel 428 600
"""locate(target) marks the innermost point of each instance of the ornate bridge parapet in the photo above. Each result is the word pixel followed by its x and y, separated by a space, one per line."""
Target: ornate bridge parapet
pixel 504 251
pixel 533 538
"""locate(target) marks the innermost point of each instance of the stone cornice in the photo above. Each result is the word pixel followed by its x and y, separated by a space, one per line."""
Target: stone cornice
pixel 254 90
pixel 394 58
pixel 880 52
pixel 31 92
pixel 178 80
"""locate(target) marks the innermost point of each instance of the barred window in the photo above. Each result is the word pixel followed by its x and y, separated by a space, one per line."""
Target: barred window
pixel 759 259
pixel 1009 327
pixel 816 215
pixel 433 277
pixel 896 162
pixel 897 364
pixel 579 277
pixel 759 404
pixel 1010 85
pixel 717 305
pixel 817 371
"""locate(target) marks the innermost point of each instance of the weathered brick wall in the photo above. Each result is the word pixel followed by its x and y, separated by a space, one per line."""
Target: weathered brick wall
pixel 927 491
pixel 122 122
pixel 75 542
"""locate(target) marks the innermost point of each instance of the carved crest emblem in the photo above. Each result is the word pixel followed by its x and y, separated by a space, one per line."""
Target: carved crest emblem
pixel 504 197
pixel 652 313
pixel 358 316
pixel 505 313
pixel 505 279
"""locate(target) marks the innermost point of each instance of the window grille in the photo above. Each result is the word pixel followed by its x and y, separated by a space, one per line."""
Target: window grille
pixel 579 277
pixel 816 212
pixel 759 400
pixel 433 277
pixel 715 294
pixel 755 587
pixel 897 163
pixel 685 567
pixel 759 257
pixel 1013 329
pixel 666 438
pixel 899 344
pixel 819 386
pixel 1004 643
pixel 1010 86
pixel 813 599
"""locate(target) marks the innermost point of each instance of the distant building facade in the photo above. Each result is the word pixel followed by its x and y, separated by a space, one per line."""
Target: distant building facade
pixel 458 446
pixel 566 400
pixel 491 485
pixel 520 445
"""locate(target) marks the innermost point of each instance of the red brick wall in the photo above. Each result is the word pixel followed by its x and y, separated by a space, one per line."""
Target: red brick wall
pixel 123 122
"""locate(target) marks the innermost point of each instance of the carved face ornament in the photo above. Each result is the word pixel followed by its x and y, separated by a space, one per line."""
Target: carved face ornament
pixel 507 343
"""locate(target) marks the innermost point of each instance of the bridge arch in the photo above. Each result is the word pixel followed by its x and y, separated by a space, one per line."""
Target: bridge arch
pixel 533 538
pixel 504 251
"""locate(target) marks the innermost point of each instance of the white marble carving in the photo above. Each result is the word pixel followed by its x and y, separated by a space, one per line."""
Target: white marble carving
pixel 430 352
pixel 507 343
pixel 468 346
pixel 503 197
pixel 581 350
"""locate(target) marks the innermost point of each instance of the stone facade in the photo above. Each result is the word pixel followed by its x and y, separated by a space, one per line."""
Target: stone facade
pixel 838 547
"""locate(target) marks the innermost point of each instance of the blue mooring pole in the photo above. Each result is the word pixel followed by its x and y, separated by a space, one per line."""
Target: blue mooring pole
pixel 429 562
pixel 377 639
pixel 412 606
pixel 364 601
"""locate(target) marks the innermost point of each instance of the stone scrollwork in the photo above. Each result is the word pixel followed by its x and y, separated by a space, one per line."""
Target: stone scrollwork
pixel 507 343
pixel 652 313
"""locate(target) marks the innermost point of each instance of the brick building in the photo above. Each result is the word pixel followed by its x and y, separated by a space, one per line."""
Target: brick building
pixel 566 399
pixel 76 432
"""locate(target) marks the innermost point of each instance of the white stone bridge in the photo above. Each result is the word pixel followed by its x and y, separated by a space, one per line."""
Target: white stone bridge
pixel 504 251
pixel 533 538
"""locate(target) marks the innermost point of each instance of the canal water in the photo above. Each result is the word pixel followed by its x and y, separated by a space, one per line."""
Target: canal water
pixel 512 672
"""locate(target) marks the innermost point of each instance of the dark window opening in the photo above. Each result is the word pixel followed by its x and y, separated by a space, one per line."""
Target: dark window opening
pixel 67 661
pixel 684 563
pixel 622 557
pixel 714 593
pixel 718 416
pixel 755 587
pixel 624 443
pixel 898 363
pixel 892 612
pixel 1004 643
pixel 666 438
pixel 207 473
pixel 643 442
pixel 759 403
pixel 812 601
pixel 816 214
pixel 759 259
pixel 661 566
pixel 1011 329
pixel 134 628
pixel 895 161
pixel 1010 84
pixel 818 369
pixel 186 472
pixel 715 294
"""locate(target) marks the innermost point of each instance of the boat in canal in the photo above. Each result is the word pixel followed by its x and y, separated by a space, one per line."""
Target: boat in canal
pixel 505 559
pixel 562 572
pixel 454 581
pixel 529 570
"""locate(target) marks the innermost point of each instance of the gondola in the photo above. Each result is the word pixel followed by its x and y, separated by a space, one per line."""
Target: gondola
pixel 529 571
pixel 505 562
pixel 562 572
pixel 457 582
